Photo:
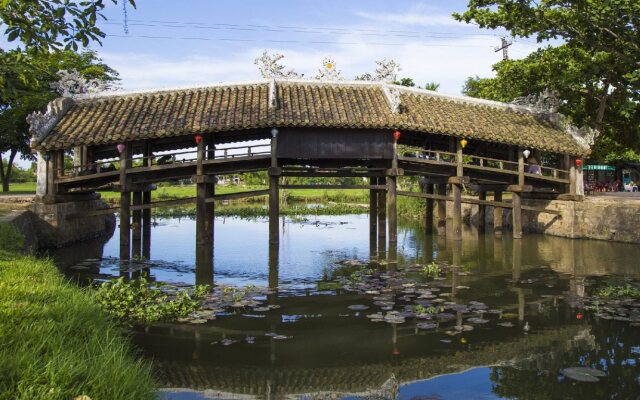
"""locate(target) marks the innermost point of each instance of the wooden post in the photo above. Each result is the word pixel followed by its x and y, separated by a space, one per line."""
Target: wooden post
pixel 136 228
pixel 59 154
pixel 442 210
pixel 497 214
pixel 517 215
pixel 274 191
pixel 373 216
pixel 482 195
pixel 125 205
pixel 274 267
pixel 428 221
pixel 146 226
pixel 382 217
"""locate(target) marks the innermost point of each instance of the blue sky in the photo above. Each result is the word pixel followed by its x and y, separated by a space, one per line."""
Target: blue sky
pixel 195 42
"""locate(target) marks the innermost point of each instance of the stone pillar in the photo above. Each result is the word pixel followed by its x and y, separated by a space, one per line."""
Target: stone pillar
pixel 517 215
pixel 136 228
pixel 382 217
pixel 428 218
pixel 579 181
pixel 497 214
pixel 442 210
pixel 456 191
pixel 373 216
pixel 482 195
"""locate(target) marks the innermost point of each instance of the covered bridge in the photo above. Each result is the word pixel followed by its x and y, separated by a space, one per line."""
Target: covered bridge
pixel 128 141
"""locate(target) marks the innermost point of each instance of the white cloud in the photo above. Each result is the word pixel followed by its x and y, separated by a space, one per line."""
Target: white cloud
pixel 416 18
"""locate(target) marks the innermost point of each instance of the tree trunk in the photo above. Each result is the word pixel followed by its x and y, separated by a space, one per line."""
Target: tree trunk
pixel 602 107
pixel 5 176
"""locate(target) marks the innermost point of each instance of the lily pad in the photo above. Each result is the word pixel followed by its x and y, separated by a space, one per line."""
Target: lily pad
pixel 358 307
pixel 426 325
pixel 580 374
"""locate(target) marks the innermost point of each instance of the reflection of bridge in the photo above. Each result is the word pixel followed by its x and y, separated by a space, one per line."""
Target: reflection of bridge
pixel 315 129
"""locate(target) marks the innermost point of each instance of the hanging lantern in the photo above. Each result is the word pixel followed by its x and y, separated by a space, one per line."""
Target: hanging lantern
pixel 198 138
pixel 579 316
pixel 526 153
pixel 120 147
pixel 578 163
pixel 274 132
pixel 463 143
pixel 396 135
pixel 46 156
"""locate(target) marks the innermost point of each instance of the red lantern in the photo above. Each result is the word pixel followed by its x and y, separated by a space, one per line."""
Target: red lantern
pixel 578 163
pixel 579 316
pixel 396 135
pixel 198 138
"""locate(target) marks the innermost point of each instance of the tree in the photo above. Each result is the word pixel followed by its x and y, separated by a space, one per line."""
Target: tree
pixel 34 93
pixel 596 69
pixel 408 82
pixel 53 24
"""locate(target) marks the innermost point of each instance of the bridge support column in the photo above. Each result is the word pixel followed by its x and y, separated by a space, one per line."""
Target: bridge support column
pixel 136 228
pixel 204 229
pixel 373 216
pixel 146 226
pixel 125 225
pixel 497 214
pixel 382 218
pixel 482 195
pixel 517 215
pixel 274 205
pixel 456 191
pixel 428 217
pixel 442 210
pixel 392 212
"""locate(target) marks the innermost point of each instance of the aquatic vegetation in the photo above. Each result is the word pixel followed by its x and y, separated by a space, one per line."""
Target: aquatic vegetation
pixel 583 374
pixel 141 302
pixel 618 291
pixel 431 271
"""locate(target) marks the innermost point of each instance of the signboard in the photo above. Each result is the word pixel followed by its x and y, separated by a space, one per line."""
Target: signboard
pixel 599 167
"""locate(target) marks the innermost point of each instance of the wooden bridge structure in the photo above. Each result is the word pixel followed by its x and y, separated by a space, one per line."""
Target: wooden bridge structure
pixel 379 132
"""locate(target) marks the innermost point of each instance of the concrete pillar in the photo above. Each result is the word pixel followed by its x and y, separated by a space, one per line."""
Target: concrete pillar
pixel 428 218
pixel 482 195
pixel 572 176
pixel 520 167
pixel 456 191
pixel 579 181
pixel 517 215
pixel 497 215
pixel 382 217
pixel 442 210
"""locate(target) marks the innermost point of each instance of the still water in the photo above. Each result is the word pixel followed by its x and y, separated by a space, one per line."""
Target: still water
pixel 512 314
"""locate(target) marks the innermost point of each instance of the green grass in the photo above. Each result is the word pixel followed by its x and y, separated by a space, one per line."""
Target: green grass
pixel 20 188
pixel 55 341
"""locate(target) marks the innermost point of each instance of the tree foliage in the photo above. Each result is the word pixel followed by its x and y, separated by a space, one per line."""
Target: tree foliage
pixel 595 68
pixel 32 93
pixel 53 24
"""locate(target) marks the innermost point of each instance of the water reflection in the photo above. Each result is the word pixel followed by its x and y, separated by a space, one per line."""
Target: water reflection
pixel 313 342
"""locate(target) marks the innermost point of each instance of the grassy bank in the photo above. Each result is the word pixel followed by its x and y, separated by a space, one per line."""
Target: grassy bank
pixel 55 341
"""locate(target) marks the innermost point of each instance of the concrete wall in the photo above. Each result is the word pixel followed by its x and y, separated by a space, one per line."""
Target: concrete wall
pixel 601 218
pixel 53 225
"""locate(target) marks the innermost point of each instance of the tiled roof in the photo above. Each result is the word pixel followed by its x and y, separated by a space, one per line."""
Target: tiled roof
pixel 128 117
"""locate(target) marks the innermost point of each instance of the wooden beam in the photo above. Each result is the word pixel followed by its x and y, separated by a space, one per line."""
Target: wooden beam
pixel 368 187
pixel 239 195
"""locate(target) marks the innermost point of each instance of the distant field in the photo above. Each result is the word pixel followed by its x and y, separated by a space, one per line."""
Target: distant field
pixel 20 188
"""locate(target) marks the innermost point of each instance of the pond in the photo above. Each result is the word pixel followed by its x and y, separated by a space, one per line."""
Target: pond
pixel 508 319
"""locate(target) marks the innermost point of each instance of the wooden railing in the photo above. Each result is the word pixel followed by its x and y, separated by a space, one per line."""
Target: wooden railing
pixel 178 157
pixel 471 161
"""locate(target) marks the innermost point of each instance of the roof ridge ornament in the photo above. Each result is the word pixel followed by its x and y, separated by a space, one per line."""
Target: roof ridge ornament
pixel 72 83
pixel 273 94
pixel 329 72
pixel 585 135
pixel 40 124
pixel 392 95
pixel 546 101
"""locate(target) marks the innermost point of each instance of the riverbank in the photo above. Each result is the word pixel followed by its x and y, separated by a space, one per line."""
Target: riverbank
pixel 55 341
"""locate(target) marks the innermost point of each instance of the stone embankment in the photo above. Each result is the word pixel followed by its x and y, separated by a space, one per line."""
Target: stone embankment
pixel 57 225
pixel 596 217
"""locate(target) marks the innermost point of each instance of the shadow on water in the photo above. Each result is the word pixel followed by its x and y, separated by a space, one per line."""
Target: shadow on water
pixel 506 320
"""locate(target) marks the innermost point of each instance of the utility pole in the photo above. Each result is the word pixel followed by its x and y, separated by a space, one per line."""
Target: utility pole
pixel 504 46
